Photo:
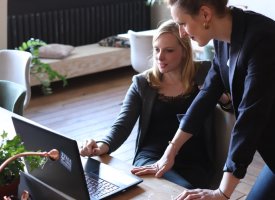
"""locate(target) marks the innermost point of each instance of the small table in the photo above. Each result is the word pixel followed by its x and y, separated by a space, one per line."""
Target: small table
pixel 150 188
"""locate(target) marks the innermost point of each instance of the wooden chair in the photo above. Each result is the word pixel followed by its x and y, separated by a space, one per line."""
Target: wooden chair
pixel 15 67
pixel 12 96
pixel 224 122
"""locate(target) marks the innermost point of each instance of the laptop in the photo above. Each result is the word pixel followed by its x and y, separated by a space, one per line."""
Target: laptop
pixel 77 177
pixel 38 189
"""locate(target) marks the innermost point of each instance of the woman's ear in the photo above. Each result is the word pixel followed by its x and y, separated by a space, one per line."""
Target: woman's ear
pixel 206 13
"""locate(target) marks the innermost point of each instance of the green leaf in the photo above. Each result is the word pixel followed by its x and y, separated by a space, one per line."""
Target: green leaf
pixel 11 147
pixel 41 71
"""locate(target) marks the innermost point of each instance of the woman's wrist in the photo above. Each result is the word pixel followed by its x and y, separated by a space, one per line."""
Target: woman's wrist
pixel 228 184
pixel 176 143
pixel 174 147
pixel 104 147
pixel 223 194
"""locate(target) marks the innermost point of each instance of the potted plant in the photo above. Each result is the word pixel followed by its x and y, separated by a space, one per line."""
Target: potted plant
pixel 40 70
pixel 11 163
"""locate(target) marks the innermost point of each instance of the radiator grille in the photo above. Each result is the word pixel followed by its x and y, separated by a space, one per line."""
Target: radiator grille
pixel 78 25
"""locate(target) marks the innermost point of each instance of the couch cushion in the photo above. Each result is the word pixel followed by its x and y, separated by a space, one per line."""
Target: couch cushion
pixel 55 51
pixel 114 41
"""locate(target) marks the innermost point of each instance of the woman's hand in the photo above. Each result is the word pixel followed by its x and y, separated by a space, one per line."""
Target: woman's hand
pixel 203 194
pixel 225 98
pixel 225 102
pixel 165 163
pixel 92 148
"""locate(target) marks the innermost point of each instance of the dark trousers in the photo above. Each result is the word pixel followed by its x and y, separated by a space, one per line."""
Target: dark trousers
pixel 264 187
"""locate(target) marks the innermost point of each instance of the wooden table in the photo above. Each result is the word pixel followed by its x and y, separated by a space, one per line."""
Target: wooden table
pixel 151 187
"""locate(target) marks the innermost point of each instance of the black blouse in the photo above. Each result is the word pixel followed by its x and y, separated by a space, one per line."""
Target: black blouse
pixel 163 126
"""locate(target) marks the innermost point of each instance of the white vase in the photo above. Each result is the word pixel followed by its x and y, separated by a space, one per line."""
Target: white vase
pixel 159 13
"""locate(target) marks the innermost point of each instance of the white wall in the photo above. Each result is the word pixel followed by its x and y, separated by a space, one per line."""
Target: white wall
pixel 159 13
pixel 265 7
pixel 3 24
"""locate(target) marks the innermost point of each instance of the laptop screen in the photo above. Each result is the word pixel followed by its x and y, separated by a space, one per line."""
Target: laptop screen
pixel 66 174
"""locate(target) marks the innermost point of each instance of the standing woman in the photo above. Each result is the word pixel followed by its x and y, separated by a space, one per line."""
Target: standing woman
pixel 244 65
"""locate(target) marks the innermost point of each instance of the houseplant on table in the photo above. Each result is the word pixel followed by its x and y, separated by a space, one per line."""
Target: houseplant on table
pixel 11 163
pixel 40 70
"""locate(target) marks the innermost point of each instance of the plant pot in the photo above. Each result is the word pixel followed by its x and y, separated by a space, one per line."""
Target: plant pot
pixel 10 189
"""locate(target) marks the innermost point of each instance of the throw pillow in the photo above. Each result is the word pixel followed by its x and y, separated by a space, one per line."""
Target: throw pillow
pixel 114 41
pixel 55 51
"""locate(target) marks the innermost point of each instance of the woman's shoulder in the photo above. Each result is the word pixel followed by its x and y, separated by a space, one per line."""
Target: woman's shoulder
pixel 141 78
pixel 140 81
pixel 245 20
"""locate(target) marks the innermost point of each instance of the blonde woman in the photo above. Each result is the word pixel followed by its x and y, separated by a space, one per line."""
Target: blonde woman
pixel 156 97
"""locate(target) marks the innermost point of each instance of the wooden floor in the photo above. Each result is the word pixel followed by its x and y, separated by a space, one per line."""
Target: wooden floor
pixel 87 107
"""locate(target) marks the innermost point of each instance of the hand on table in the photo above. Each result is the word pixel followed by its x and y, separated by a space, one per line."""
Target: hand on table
pixel 202 194
pixel 157 169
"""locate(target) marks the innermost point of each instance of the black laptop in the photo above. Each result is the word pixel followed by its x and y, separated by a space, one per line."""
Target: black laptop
pixel 79 178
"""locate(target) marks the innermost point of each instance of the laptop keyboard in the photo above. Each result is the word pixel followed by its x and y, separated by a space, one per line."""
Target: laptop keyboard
pixel 98 187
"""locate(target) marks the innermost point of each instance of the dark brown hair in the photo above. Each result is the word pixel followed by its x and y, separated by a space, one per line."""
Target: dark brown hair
pixel 192 7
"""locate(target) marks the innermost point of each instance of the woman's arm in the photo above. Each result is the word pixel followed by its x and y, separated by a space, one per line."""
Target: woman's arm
pixel 123 125
pixel 128 115
pixel 166 162
pixel 228 184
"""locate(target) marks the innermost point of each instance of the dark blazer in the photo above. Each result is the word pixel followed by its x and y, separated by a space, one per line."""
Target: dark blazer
pixel 249 75
pixel 137 104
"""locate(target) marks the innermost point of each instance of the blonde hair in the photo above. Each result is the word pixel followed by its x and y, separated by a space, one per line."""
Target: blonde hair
pixel 188 70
